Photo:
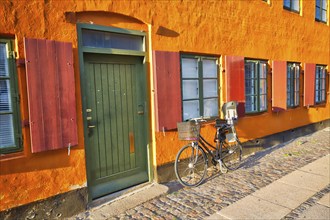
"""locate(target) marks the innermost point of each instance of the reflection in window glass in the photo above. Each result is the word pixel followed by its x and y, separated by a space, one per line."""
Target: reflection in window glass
pixel 190 89
pixel 189 68
pixel 210 87
pixel 209 68
pixel 321 10
pixel 101 39
pixel 190 109
pixel 5 100
pixel 3 61
pixel 292 5
pixel 7 131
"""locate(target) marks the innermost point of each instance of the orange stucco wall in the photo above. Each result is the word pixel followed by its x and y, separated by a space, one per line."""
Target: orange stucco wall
pixel 253 29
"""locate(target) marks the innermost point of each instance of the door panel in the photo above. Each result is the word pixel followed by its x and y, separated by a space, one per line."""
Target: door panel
pixel 116 148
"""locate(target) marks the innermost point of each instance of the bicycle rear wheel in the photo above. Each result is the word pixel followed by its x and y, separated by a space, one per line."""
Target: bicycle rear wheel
pixel 232 155
pixel 190 165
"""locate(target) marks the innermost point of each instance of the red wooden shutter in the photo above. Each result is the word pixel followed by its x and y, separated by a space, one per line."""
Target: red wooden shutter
pixel 51 94
pixel 309 84
pixel 235 82
pixel 167 89
pixel 279 86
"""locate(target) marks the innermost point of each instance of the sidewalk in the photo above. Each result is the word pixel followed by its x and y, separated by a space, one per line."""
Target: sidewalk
pixel 286 177
pixel 280 198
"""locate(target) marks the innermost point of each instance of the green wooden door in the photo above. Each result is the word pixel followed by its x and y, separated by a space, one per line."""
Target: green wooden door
pixel 116 133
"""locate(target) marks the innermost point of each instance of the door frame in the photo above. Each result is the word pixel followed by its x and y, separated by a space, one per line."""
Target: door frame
pixel 110 51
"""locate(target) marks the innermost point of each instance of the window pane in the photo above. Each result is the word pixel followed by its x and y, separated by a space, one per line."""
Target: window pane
pixel 209 68
pixel 295 5
pixel 251 104
pixel 190 89
pixel 7 131
pixel 324 15
pixel 322 84
pixel 210 88
pixel 102 39
pixel 3 61
pixel 263 86
pixel 250 87
pixel 296 99
pixel 296 86
pixel 318 13
pixel 189 68
pixel 211 107
pixel 190 109
pixel 286 3
pixel 250 71
pixel 318 3
pixel 323 95
pixel 317 84
pixel 324 4
pixel 5 101
pixel 263 70
pixel 263 102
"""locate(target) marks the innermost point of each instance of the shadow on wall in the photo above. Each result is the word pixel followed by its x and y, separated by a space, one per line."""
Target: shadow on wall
pixel 163 31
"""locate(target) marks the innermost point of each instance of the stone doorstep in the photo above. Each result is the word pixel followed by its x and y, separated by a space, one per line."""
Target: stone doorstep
pixel 127 201
pixel 280 197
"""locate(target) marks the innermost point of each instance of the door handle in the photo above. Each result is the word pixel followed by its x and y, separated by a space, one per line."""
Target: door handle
pixel 91 126
pixel 140 112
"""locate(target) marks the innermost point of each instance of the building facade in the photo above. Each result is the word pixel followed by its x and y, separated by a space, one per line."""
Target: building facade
pixel 91 91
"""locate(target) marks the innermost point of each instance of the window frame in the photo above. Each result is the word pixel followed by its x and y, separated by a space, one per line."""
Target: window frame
pixel 318 92
pixel 290 8
pixel 321 9
pixel 293 93
pixel 15 99
pixel 257 81
pixel 200 79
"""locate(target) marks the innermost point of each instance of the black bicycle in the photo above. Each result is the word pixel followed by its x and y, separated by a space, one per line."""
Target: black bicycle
pixel 191 162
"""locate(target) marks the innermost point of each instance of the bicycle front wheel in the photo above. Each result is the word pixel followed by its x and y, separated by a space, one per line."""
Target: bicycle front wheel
pixel 190 165
pixel 232 155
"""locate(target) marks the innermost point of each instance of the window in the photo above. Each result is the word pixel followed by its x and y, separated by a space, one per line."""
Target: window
pixel 199 86
pixel 320 92
pixel 292 5
pixel 102 39
pixel 293 72
pixel 321 11
pixel 255 86
pixel 9 98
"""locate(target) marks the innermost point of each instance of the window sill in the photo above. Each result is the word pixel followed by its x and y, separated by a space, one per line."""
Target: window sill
pixel 291 10
pixel 320 104
pixel 256 113
pixel 293 107
pixel 321 22
pixel 12 156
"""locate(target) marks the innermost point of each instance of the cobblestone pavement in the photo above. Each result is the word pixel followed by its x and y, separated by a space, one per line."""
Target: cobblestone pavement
pixel 221 190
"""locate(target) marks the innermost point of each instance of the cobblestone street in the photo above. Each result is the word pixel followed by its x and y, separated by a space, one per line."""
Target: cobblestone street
pixel 221 190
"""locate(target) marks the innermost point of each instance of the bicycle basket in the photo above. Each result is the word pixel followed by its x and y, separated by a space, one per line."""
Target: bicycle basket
pixel 188 131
